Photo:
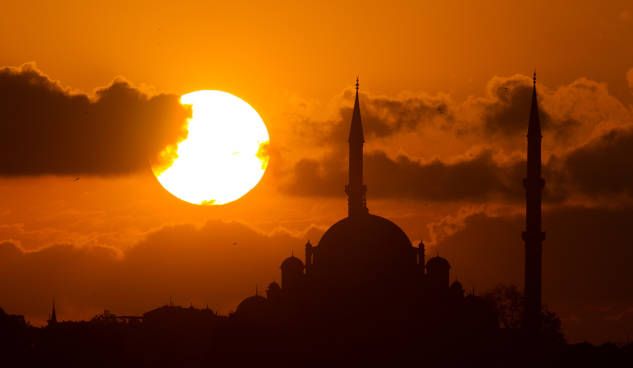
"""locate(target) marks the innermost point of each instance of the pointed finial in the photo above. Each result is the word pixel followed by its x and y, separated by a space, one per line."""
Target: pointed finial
pixel 534 78
pixel 357 83
pixel 292 252
pixel 256 290
pixel 52 316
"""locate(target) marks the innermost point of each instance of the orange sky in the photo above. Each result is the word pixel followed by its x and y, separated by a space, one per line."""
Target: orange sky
pixel 295 63
pixel 263 53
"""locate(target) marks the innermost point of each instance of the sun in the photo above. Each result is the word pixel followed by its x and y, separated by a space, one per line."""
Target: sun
pixel 225 154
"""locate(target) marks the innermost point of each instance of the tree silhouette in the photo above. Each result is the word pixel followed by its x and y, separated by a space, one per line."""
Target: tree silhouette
pixel 508 302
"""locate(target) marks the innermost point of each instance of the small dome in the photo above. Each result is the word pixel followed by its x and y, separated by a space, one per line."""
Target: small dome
pixel 291 262
pixel 457 286
pixel 274 286
pixel 252 306
pixel 438 262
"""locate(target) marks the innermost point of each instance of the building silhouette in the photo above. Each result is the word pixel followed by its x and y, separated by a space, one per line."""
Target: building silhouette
pixel 362 296
pixel 363 284
pixel 363 268
pixel 533 236
pixel 363 250
pixel 176 317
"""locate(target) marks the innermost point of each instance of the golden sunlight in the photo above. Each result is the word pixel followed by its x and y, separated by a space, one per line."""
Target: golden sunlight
pixel 225 154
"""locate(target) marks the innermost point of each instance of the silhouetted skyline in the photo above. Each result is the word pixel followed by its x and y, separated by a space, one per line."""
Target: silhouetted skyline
pixel 90 93
pixel 365 295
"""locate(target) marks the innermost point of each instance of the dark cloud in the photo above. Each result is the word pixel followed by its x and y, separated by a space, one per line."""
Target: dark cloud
pixel 477 178
pixel 219 264
pixel 506 110
pixel 586 258
pixel 568 113
pixel 382 117
pixel 311 177
pixel 604 166
pixel 575 162
pixel 47 129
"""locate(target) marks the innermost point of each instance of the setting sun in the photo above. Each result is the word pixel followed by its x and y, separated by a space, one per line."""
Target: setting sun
pixel 224 155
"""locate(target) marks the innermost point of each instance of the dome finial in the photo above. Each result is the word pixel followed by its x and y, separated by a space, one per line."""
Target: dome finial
pixel 357 83
pixel 534 78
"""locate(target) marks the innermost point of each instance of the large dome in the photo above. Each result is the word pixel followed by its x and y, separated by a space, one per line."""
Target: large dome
pixel 363 247
pixel 367 231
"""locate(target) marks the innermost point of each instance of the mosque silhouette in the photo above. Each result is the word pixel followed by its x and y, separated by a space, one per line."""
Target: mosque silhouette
pixel 363 295
pixel 363 250
pixel 365 269
pixel 364 272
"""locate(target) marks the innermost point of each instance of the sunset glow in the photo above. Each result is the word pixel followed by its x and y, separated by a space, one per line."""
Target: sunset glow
pixel 224 155
pixel 171 155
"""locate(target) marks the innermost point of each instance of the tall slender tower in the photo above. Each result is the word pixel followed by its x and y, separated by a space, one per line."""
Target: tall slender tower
pixel 533 236
pixel 356 189
pixel 53 316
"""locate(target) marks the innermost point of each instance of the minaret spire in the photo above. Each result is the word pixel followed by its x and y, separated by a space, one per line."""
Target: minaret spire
pixel 533 235
pixel 53 317
pixel 356 189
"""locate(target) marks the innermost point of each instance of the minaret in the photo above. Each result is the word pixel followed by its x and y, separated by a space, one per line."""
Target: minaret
pixel 356 189
pixel 421 255
pixel 53 317
pixel 309 260
pixel 533 236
